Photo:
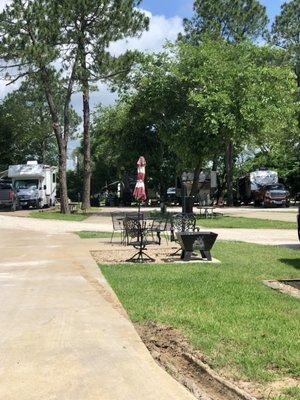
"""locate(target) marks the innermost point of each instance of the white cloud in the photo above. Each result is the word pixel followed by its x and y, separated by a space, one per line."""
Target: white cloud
pixel 160 30
pixel 4 90
pixel 3 3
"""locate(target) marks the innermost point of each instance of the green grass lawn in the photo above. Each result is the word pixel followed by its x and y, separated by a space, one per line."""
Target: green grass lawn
pixel 292 393
pixel 96 234
pixel 244 328
pixel 58 216
pixel 246 223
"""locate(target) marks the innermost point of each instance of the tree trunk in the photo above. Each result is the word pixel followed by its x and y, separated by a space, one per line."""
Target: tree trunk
pixel 188 204
pixel 297 71
pixel 64 204
pixel 62 140
pixel 195 184
pixel 86 192
pixel 84 78
pixel 61 135
pixel 229 173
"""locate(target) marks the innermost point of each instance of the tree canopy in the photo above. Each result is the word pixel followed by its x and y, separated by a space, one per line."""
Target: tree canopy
pixel 191 100
pixel 233 20
pixel 69 41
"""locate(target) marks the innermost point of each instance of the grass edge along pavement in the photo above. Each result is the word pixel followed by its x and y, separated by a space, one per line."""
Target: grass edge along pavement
pixel 96 235
pixel 245 223
pixel 245 329
pixel 55 215
pixel 219 222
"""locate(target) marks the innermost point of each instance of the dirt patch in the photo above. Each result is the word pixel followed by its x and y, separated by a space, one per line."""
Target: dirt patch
pixel 283 288
pixel 171 350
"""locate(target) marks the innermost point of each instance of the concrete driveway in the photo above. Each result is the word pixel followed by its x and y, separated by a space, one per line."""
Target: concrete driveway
pixel 64 335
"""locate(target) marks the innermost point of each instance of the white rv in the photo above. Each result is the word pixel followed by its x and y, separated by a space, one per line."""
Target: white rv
pixel 34 183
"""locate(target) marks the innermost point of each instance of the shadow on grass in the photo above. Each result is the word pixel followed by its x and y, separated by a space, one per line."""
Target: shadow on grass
pixel 292 262
pixel 292 246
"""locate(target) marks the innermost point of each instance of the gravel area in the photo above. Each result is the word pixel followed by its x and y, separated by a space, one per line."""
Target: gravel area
pixel 114 253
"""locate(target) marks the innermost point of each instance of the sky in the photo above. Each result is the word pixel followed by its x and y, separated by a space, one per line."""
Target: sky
pixel 165 23
pixel 183 8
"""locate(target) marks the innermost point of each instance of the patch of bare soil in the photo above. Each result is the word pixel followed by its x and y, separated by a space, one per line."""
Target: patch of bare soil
pixel 115 253
pixel 283 288
pixel 171 350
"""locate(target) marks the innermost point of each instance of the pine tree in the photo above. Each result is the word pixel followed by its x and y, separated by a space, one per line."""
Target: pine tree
pixel 91 26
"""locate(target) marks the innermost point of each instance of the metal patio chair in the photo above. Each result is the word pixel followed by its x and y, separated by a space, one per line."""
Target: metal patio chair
pixel 136 233
pixel 117 221
pixel 182 223
pixel 159 226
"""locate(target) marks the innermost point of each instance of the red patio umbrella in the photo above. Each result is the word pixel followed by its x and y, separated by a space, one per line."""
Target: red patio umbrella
pixel 139 192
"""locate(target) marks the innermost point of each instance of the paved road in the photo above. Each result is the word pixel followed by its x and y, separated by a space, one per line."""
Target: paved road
pixel 64 336
pixel 279 214
pixel 260 236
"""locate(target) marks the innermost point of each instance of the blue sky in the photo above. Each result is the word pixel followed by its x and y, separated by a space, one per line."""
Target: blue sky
pixel 183 8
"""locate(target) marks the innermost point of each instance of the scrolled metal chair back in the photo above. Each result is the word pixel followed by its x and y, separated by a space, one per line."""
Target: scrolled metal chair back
pixel 183 222
pixel 117 220
pixel 132 227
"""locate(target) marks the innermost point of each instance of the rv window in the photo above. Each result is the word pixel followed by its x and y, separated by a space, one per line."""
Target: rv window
pixel 27 184
pixel 5 186
pixel 53 178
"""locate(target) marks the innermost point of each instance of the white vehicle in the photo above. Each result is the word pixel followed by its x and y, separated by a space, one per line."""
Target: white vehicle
pixel 263 189
pixel 34 183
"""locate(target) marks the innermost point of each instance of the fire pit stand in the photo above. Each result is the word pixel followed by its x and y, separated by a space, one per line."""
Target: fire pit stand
pixel 191 241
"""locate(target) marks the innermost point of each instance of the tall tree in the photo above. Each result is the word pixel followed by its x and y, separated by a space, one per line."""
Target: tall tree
pixel 121 133
pixel 25 127
pixel 90 27
pixel 29 46
pixel 197 97
pixel 286 34
pixel 234 21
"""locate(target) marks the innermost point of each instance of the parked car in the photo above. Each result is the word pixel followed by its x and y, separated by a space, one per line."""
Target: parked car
pixel 8 196
pixel 173 195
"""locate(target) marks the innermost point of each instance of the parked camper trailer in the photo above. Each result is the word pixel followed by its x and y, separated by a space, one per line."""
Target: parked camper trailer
pixel 35 184
pixel 206 187
pixel 262 188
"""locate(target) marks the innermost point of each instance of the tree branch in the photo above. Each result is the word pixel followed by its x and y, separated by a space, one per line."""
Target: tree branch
pixel 113 74
pixel 2 67
pixel 20 76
